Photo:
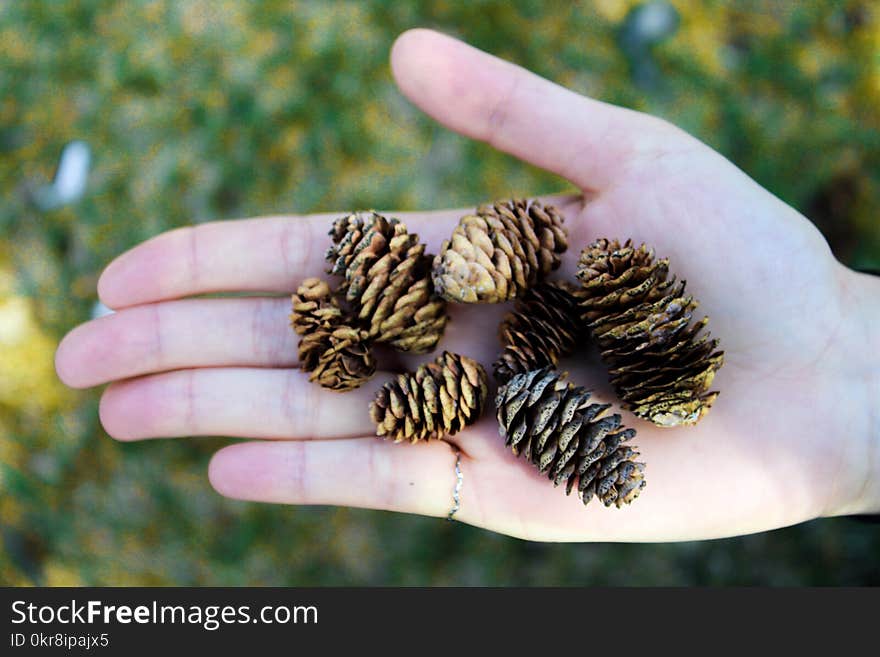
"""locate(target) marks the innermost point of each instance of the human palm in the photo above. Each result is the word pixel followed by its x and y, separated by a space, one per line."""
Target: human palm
pixel 787 440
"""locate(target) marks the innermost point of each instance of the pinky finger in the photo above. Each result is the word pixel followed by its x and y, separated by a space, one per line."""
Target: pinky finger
pixel 366 473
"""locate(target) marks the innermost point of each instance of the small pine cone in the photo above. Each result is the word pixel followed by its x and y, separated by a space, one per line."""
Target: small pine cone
pixel 315 315
pixel 439 399
pixel 542 327
pixel 552 424
pixel 642 321
pixel 336 355
pixel 498 253
pixel 314 306
pixel 346 363
pixel 387 281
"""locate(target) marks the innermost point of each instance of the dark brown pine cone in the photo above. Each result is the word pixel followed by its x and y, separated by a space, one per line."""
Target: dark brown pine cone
pixel 439 399
pixel 551 423
pixel 542 327
pixel 501 251
pixel 387 281
pixel 336 354
pixel 642 322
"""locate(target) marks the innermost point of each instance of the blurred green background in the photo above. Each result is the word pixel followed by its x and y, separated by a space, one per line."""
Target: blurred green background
pixel 202 110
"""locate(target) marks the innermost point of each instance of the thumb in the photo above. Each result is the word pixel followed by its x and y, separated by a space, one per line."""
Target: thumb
pixel 480 96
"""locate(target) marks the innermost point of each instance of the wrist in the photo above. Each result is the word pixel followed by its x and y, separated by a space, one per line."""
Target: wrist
pixel 861 359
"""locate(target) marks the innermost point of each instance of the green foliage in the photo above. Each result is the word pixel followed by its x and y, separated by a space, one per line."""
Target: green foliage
pixel 204 110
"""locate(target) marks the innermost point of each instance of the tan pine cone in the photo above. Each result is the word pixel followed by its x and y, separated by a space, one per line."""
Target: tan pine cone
pixel 336 354
pixel 643 323
pixel 552 424
pixel 543 326
pixel 501 251
pixel 314 306
pixel 387 281
pixel 346 363
pixel 315 314
pixel 439 399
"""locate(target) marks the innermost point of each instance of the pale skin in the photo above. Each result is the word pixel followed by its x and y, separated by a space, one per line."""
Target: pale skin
pixel 793 436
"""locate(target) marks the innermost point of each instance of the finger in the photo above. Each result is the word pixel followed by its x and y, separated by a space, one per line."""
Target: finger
pixel 270 254
pixel 242 402
pixel 483 97
pixel 176 335
pixel 366 473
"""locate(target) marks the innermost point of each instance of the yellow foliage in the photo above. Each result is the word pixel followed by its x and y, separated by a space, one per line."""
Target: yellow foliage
pixel 613 11
pixel 27 366
pixel 58 574
pixel 11 511
pixel 13 45
pixel 703 33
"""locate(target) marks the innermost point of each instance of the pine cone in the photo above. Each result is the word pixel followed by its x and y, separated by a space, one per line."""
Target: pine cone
pixel 552 424
pixel 346 363
pixel 498 253
pixel 387 281
pixel 439 399
pixel 641 320
pixel 314 306
pixel 542 327
pixel 336 355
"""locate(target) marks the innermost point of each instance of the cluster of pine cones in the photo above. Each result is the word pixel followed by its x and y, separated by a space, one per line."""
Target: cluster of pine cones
pixel 626 303
pixel 386 296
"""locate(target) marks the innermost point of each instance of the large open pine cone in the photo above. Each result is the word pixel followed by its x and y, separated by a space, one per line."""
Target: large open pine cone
pixel 498 253
pixel 387 281
pixel 552 424
pixel 542 327
pixel 336 354
pixel 439 399
pixel 641 320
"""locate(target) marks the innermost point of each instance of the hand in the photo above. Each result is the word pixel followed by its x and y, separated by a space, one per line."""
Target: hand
pixel 791 437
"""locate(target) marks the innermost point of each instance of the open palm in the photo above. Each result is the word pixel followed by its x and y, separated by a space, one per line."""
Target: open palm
pixel 787 440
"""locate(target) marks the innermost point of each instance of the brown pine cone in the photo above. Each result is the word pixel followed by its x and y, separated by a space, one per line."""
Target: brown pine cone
pixel 346 363
pixel 314 306
pixel 336 355
pixel 387 281
pixel 439 399
pixel 501 251
pixel 542 327
pixel 552 424
pixel 315 314
pixel 642 322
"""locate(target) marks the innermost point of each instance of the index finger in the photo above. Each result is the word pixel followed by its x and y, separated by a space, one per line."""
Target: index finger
pixel 267 255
